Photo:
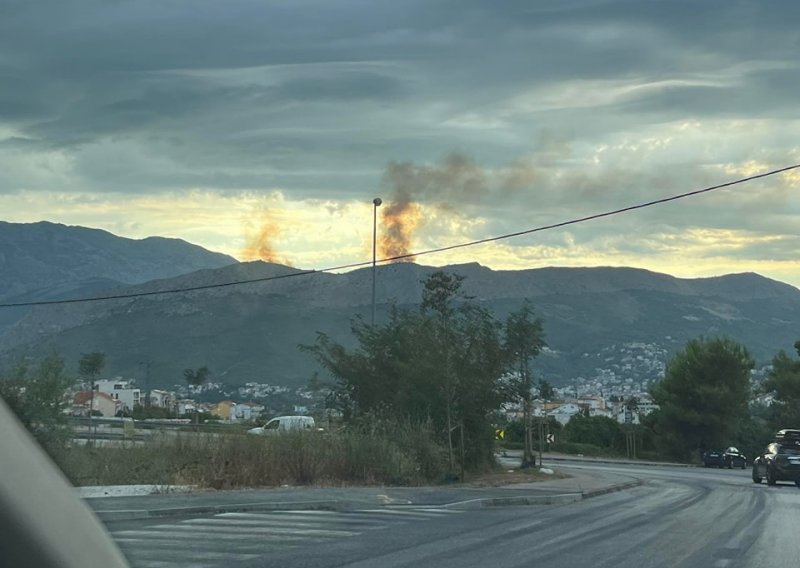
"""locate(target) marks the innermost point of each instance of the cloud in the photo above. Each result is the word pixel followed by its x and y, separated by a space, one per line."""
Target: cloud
pixel 493 118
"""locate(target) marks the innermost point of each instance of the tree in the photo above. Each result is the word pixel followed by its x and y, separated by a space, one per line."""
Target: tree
pixel 600 431
pixel 524 340
pixel 703 395
pixel 89 367
pixel 440 363
pixel 195 378
pixel 439 292
pixel 38 394
pixel 546 390
pixel 784 382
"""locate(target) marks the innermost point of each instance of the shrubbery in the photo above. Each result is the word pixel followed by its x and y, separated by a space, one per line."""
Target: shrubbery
pixel 395 454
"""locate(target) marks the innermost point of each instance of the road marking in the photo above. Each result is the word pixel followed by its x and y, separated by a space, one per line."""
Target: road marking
pixel 255 530
pixel 286 519
pixel 403 513
pixel 195 541
pixel 198 535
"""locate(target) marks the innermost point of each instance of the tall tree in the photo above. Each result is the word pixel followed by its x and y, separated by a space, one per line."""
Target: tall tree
pixel 38 395
pixel 546 390
pixel 439 293
pixel 784 382
pixel 440 363
pixel 89 367
pixel 195 378
pixel 524 340
pixel 703 395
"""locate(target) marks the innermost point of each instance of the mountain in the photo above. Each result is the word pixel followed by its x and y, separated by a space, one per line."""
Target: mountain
pixel 47 261
pixel 614 322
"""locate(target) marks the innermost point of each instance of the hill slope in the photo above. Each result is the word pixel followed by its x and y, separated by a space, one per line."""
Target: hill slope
pixel 44 260
pixel 598 320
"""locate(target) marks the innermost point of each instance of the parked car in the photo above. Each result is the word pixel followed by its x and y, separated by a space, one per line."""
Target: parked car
pixel 284 424
pixel 729 457
pixel 780 460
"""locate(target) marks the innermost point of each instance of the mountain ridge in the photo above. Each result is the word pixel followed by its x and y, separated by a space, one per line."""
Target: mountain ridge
pixel 250 332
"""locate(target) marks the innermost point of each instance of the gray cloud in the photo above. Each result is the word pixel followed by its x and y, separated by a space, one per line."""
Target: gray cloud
pixel 521 112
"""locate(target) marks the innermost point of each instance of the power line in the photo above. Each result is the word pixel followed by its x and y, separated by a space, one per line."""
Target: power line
pixel 412 254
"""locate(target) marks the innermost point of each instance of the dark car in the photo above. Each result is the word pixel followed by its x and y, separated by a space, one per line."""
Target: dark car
pixel 780 460
pixel 729 457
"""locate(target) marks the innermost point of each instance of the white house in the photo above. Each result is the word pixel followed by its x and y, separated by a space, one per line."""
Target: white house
pixel 185 406
pixel 101 403
pixel 161 398
pixel 564 412
pixel 120 390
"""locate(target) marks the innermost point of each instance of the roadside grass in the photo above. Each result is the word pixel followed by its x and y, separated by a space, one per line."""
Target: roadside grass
pixel 403 454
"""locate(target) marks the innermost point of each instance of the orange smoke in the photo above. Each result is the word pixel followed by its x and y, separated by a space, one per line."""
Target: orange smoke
pixel 399 221
pixel 258 245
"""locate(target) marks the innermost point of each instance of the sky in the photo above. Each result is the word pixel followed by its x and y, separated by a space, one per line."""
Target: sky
pixel 265 129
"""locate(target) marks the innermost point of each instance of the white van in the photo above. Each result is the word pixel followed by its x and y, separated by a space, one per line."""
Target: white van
pixel 284 424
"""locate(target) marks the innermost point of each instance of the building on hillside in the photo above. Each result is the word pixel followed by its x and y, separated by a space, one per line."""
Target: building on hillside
pixel 564 412
pixel 120 390
pixel 184 406
pixel 101 403
pixel 646 406
pixel 161 398
pixel 247 411
pixel 627 416
pixel 592 402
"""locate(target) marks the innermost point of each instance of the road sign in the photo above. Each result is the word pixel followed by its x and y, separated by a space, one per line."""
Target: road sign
pixel 499 434
pixel 551 438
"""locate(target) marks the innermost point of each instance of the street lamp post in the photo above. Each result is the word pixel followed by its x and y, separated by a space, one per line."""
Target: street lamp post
pixel 375 204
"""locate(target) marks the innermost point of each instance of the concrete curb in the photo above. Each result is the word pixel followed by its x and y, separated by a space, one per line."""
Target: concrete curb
pixel 522 500
pixel 618 462
pixel 349 505
pixel 481 503
pixel 612 489
pixel 139 514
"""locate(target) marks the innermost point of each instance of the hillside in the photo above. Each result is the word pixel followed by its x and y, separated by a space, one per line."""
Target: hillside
pixel 598 320
pixel 44 259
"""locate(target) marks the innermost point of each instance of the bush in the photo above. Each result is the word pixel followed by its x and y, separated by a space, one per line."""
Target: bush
pixel 393 454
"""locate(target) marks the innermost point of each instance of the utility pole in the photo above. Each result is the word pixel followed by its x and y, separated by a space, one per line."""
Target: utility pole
pixel 375 204
pixel 147 384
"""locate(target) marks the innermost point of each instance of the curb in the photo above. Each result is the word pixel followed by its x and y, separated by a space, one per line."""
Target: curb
pixel 349 505
pixel 618 462
pixel 558 499
pixel 139 514
pixel 522 500
pixel 612 489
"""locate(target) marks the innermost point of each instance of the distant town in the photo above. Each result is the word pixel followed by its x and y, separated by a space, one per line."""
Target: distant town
pixel 618 388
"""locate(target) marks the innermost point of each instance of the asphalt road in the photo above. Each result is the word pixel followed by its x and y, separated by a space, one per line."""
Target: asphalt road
pixel 679 517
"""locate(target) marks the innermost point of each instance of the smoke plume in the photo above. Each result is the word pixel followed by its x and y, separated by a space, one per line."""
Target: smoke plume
pixel 258 243
pixel 454 184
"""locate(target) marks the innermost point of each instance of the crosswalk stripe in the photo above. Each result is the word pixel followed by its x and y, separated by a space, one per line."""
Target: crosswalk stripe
pixel 206 541
pixel 246 524
pixel 168 564
pixel 195 556
pixel 200 535
pixel 253 530
pixel 135 544
pixel 422 515
pixel 363 522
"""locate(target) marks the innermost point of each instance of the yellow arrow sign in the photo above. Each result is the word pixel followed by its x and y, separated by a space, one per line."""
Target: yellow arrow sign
pixel 499 434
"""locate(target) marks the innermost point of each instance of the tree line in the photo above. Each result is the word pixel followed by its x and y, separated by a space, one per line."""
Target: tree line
pixel 451 364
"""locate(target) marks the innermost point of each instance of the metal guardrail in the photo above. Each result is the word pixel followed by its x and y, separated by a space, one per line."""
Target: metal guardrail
pixel 156 424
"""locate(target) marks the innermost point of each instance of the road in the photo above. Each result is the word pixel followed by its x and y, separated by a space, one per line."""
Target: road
pixel 679 517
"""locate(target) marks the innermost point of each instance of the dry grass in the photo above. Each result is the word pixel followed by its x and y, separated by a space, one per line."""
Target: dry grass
pixel 399 455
